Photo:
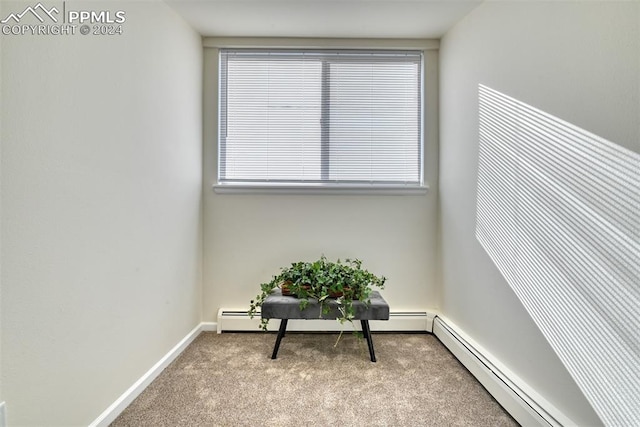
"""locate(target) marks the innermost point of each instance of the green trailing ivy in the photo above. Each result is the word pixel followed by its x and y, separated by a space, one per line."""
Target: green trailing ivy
pixel 321 280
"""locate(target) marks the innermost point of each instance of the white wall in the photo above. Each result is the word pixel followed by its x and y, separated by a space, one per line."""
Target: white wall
pixel 579 61
pixel 1 121
pixel 247 238
pixel 101 220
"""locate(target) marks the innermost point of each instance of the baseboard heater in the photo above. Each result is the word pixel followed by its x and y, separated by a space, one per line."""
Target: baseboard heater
pixel 399 321
pixel 515 395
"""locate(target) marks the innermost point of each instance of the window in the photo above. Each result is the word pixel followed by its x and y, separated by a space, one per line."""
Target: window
pixel 320 117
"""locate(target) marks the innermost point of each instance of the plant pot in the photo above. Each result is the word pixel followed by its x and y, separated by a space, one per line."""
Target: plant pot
pixel 285 287
pixel 339 294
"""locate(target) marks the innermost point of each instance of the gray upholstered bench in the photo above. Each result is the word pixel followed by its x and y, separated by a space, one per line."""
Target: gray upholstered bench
pixel 278 306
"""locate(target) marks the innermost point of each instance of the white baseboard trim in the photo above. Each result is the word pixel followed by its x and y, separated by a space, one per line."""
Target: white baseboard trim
pixel 3 414
pixel 519 399
pixel 209 327
pixel 116 408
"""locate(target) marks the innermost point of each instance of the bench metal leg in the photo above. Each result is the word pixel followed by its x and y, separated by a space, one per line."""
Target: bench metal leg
pixel 283 328
pixel 367 334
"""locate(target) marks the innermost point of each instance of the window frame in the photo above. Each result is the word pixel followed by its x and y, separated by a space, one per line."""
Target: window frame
pixel 428 119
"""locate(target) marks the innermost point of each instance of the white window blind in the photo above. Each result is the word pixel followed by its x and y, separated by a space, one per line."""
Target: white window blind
pixel 320 117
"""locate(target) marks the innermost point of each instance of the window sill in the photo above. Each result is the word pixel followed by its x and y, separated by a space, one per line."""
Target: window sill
pixel 313 189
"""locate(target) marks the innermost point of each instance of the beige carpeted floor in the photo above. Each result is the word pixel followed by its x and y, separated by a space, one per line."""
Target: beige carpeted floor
pixel 230 380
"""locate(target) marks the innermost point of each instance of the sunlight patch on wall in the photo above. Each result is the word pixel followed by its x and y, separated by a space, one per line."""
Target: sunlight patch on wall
pixel 558 212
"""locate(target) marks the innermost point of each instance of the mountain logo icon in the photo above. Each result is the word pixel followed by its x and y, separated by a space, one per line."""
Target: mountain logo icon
pixel 39 11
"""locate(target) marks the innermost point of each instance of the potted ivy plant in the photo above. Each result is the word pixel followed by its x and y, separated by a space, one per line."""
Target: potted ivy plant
pixel 345 282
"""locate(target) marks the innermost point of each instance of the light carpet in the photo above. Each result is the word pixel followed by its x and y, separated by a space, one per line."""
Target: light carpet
pixel 230 380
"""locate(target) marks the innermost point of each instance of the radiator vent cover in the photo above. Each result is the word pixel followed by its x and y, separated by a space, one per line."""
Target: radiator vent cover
pixel 399 321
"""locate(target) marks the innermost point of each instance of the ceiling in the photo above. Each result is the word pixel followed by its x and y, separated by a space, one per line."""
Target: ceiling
pixel 323 18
